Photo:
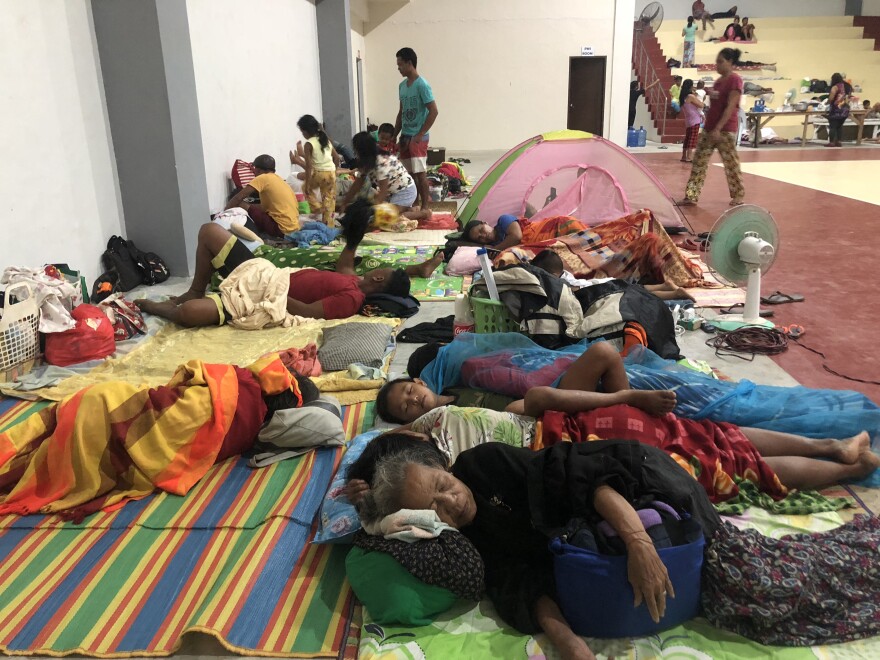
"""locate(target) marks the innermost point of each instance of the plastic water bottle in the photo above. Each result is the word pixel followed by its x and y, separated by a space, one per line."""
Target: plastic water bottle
pixel 464 317
pixel 643 136
pixel 486 266
pixel 632 137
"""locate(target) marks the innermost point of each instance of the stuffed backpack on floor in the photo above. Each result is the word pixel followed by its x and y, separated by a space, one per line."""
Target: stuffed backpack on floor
pixel 132 265
pixel 117 257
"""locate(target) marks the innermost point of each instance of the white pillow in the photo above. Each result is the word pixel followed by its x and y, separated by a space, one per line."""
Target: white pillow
pixel 295 431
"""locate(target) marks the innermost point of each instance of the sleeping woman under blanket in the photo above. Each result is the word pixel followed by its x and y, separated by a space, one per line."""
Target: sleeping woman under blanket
pixel 114 442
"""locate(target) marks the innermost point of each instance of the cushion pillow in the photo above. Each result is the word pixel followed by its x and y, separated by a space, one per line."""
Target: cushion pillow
pixel 242 173
pixel 346 344
pixel 390 593
pixel 338 519
pixel 464 261
pixel 295 431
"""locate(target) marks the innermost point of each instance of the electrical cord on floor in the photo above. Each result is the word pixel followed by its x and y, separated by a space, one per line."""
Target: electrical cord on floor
pixel 755 340
pixel 752 340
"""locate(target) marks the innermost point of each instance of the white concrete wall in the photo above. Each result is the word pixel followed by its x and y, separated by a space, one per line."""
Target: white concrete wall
pixel 870 7
pixel 57 169
pixel 499 68
pixel 678 9
pixel 358 48
pixel 254 79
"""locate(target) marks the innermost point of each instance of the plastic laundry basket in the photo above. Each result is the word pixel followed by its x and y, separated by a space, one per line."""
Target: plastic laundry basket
pixel 597 600
pixel 19 331
pixel 491 316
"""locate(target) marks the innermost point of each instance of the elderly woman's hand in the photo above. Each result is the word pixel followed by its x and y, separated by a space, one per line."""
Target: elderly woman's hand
pixel 355 490
pixel 648 576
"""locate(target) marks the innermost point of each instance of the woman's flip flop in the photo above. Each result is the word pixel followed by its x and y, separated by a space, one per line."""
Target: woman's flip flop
pixel 779 298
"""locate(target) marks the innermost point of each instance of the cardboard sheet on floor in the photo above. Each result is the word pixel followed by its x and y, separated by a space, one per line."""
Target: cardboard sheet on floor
pixel 417 237
pixel 155 360
pixel 716 293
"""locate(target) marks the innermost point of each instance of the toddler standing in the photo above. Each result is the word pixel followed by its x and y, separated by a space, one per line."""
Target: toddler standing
pixel 320 165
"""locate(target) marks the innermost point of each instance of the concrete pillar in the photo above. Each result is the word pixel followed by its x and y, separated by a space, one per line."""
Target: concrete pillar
pixel 149 84
pixel 620 75
pixel 337 81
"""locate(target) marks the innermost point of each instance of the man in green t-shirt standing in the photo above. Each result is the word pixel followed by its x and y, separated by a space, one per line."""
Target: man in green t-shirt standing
pixel 417 113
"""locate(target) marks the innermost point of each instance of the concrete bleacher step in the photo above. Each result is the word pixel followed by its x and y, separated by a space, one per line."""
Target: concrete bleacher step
pixel 870 26
pixel 801 47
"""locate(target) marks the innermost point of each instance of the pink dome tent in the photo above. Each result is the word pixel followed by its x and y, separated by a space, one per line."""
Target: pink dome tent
pixel 569 173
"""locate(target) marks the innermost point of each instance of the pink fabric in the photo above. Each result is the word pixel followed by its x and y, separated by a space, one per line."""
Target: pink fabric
pixel 528 172
pixel 595 197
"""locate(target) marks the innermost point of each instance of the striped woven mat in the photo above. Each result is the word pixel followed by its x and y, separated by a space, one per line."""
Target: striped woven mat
pixel 231 559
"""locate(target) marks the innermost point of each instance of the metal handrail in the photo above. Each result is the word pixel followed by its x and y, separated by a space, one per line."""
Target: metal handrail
pixel 655 95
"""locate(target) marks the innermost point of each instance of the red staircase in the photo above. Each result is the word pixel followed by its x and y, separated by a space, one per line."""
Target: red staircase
pixel 649 63
pixel 871 25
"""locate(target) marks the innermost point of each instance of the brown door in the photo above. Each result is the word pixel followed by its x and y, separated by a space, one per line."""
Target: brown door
pixel 586 94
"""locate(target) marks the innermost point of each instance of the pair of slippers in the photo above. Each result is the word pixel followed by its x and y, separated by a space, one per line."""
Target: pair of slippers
pixel 701 243
pixel 776 298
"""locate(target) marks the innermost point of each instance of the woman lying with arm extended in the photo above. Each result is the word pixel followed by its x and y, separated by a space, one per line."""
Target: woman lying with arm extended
pixel 715 454
pixel 510 231
pixel 509 502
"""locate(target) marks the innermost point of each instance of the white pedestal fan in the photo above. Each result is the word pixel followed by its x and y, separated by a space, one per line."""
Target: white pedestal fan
pixel 743 245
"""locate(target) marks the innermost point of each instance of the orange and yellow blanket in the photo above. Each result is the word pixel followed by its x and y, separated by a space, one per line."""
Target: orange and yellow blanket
pixel 113 442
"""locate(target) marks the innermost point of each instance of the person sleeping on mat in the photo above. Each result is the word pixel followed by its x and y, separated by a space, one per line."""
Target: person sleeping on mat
pixel 510 502
pixel 552 263
pixel 494 371
pixel 256 294
pixel 113 442
pixel 510 231
pixel 717 454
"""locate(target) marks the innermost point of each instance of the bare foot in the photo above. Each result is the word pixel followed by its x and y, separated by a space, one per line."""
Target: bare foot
pixel 849 451
pixel 167 309
pixel 868 461
pixel 189 295
pixel 656 402
pixel 427 268
pixel 681 294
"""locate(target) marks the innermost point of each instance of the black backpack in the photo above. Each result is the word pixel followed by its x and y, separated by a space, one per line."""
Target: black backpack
pixel 132 265
pixel 153 268
pixel 118 258
pixel 818 86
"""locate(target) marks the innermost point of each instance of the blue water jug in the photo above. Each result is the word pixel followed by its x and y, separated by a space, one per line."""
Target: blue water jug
pixel 643 136
pixel 632 137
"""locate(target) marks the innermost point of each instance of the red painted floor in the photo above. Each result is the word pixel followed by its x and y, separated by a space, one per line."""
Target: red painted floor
pixel 830 253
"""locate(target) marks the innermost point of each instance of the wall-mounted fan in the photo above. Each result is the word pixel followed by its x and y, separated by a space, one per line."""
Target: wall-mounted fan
pixel 652 17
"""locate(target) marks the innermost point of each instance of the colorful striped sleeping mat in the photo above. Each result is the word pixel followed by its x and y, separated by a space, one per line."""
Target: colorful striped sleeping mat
pixel 231 559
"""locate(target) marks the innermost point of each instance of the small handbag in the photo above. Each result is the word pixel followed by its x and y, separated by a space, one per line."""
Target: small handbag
pixel 593 588
pixel 125 316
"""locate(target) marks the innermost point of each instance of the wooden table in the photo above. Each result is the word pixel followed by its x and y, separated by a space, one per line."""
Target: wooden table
pixel 764 118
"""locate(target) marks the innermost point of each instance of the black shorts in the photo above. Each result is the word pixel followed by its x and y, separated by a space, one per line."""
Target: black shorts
pixel 233 254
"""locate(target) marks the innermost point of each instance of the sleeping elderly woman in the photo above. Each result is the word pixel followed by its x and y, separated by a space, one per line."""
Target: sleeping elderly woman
pixel 509 501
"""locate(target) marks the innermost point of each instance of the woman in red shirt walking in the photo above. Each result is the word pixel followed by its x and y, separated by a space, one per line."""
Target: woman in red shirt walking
pixel 719 132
